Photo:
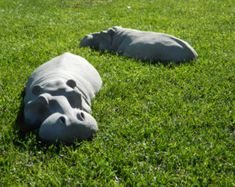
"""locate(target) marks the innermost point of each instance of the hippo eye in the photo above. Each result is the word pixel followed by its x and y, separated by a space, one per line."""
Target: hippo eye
pixel 71 83
pixel 42 100
pixel 62 119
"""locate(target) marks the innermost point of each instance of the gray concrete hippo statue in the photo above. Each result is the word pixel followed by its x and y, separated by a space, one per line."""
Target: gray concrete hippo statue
pixel 58 98
pixel 142 45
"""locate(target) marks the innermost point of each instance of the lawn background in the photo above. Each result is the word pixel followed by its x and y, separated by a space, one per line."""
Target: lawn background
pixel 160 125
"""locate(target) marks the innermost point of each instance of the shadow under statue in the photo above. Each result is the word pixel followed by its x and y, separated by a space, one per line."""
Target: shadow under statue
pixel 57 100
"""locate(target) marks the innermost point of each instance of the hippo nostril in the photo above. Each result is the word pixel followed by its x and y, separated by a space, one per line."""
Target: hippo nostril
pixel 36 90
pixel 62 119
pixel 81 116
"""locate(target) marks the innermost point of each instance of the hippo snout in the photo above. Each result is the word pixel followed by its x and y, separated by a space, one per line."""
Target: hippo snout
pixel 86 41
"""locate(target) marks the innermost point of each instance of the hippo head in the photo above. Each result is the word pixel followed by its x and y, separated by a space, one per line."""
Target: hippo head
pixel 60 111
pixel 64 123
pixel 99 41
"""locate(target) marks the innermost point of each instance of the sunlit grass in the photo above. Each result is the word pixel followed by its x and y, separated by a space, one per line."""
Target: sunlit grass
pixel 159 125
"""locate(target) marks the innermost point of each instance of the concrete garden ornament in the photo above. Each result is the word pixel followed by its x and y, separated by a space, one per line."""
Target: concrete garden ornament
pixel 58 99
pixel 142 45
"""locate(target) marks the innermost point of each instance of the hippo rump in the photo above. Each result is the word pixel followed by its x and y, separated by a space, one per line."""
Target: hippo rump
pixel 142 45
pixel 58 98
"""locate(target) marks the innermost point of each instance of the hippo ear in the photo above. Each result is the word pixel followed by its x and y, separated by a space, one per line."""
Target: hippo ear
pixel 36 90
pixel 71 83
pixel 111 32
pixel 115 28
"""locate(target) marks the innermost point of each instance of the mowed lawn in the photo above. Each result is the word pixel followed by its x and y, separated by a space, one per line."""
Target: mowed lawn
pixel 159 125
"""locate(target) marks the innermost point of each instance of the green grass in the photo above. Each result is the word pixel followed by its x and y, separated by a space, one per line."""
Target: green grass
pixel 159 125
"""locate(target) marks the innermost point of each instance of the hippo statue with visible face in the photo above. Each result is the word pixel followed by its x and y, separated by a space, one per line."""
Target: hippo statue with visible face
pixel 142 45
pixel 58 98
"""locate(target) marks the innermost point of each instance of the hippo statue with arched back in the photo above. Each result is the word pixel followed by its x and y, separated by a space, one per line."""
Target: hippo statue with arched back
pixel 58 98
pixel 141 45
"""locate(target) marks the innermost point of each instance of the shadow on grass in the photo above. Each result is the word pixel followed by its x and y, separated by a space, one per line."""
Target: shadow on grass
pixel 168 64
pixel 20 126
